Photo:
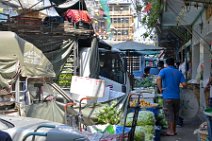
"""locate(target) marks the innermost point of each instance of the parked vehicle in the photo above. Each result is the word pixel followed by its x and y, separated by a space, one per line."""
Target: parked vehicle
pixel 27 77
pixel 28 129
pixel 112 68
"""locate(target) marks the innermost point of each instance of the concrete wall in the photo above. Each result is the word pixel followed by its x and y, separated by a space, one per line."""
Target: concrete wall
pixel 201 42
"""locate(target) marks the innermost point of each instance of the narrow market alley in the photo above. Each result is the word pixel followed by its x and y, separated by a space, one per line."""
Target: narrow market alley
pixel 106 70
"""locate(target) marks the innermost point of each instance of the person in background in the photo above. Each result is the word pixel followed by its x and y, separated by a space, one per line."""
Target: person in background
pixel 160 65
pixel 177 65
pixel 168 82
pixel 179 121
pixel 105 69
pixel 156 70
pixel 146 72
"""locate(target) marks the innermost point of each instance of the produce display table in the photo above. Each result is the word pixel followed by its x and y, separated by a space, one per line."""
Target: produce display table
pixel 139 118
pixel 146 93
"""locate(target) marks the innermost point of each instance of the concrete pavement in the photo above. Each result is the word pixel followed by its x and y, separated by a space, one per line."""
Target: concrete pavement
pixel 186 133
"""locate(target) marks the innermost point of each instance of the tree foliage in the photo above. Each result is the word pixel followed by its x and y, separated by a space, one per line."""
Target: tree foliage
pixel 151 17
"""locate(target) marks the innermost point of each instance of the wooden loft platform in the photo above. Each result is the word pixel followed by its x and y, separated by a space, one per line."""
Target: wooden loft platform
pixel 29 25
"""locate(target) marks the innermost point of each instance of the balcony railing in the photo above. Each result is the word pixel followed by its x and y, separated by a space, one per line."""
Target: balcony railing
pixel 121 25
pixel 120 13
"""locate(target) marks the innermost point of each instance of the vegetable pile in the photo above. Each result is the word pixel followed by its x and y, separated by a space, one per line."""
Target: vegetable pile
pixel 109 114
pixel 145 82
pixel 161 120
pixel 142 103
pixel 145 125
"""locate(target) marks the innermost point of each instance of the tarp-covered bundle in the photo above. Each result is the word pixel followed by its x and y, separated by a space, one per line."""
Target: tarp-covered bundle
pixel 9 69
pixel 33 62
pixel 59 48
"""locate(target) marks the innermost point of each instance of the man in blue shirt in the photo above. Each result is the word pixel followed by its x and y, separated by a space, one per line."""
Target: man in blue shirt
pixel 168 81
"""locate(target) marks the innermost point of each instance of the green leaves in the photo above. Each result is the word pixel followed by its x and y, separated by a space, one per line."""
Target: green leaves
pixel 109 114
pixel 150 19
pixel 64 79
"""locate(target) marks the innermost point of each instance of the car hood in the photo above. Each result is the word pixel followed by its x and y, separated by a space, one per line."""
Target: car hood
pixel 19 127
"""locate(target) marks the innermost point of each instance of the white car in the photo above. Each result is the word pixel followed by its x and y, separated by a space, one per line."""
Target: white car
pixel 33 129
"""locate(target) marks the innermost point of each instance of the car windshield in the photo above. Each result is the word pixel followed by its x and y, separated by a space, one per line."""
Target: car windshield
pixel 112 68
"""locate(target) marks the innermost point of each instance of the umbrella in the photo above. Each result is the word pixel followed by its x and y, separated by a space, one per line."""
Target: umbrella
pixel 136 46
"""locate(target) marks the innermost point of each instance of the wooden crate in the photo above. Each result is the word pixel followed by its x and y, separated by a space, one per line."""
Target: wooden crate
pixel 53 28
pixel 25 23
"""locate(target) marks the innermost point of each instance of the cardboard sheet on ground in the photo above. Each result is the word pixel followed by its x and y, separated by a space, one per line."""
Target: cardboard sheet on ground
pixel 189 106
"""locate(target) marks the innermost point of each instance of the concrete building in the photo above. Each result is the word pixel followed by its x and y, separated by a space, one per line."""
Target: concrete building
pixel 122 21
pixel 188 33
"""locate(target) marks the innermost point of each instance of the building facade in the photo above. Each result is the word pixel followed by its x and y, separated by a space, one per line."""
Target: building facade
pixel 122 21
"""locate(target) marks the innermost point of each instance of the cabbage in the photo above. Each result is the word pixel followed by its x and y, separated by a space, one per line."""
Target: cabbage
pixel 144 133
pixel 146 118
pixel 139 134
pixel 148 129
pixel 149 137
pixel 161 120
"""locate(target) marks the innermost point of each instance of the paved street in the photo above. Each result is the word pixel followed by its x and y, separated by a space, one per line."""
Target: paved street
pixel 186 133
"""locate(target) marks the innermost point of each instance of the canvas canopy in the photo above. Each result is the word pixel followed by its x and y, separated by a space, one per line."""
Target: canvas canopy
pixel 136 46
pixel 33 62
pixel 59 48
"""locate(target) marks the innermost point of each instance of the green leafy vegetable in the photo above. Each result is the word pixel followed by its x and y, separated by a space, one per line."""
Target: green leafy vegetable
pixel 139 134
pixel 144 118
pixel 109 114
